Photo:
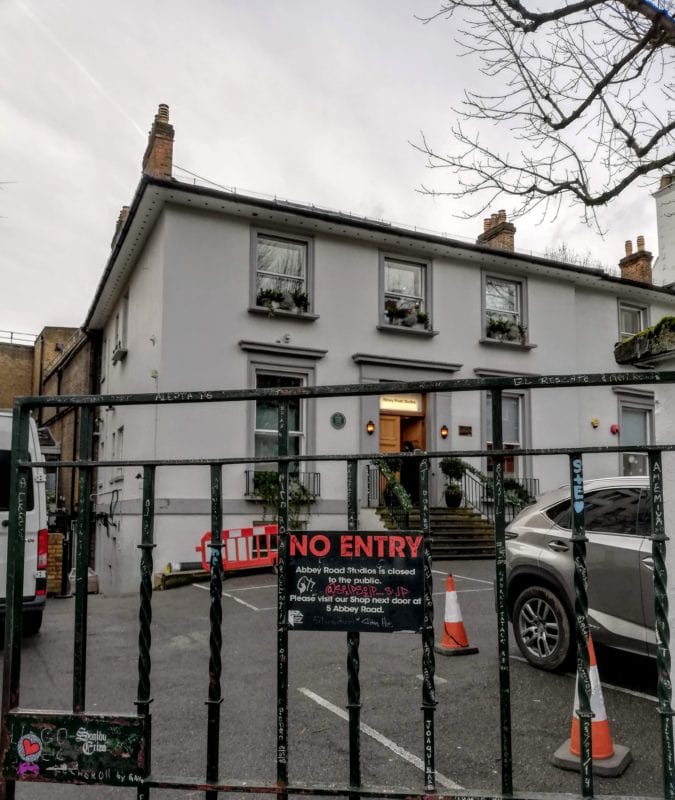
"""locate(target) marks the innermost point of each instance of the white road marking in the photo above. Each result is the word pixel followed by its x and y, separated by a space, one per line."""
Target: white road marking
pixel 231 597
pixel 239 600
pixel 464 591
pixel 251 588
pixel 631 692
pixel 437 678
pixel 463 577
pixel 399 751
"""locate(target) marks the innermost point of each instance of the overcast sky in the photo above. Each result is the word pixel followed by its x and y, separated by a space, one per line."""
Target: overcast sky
pixel 309 100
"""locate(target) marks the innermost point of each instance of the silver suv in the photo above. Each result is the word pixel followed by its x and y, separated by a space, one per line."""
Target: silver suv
pixel 540 572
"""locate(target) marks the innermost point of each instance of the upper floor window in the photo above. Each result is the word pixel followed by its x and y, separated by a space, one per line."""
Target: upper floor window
pixel 505 310
pixel 405 299
pixel 282 272
pixel 632 320
pixel 120 330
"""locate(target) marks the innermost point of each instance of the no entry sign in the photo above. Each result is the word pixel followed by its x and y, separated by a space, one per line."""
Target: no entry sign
pixel 355 581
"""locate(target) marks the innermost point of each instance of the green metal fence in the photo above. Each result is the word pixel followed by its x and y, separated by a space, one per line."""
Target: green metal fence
pixel 126 759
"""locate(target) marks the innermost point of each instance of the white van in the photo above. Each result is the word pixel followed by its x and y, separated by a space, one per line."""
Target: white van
pixel 35 564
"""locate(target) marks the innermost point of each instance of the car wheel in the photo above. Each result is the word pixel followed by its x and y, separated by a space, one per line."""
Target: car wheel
pixel 542 628
pixel 32 622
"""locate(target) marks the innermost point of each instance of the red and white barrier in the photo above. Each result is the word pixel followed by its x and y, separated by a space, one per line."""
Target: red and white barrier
pixel 244 548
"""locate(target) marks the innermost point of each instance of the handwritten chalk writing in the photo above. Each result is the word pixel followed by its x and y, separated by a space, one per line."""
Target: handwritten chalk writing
pixel 91 742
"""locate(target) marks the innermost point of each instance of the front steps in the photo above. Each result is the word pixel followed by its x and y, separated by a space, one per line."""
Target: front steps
pixel 456 532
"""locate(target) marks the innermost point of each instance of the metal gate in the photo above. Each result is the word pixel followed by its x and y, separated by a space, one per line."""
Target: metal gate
pixel 125 759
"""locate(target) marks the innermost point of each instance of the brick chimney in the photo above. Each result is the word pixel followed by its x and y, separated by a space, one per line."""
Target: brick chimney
pixel 158 157
pixel 497 232
pixel 637 266
pixel 124 213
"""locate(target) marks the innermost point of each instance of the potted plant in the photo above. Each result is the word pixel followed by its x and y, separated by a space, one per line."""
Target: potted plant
pixel 423 319
pixel 498 328
pixel 269 299
pixel 300 300
pixel 453 469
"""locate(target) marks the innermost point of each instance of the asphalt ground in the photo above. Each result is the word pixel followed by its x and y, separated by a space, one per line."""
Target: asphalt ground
pixel 467 722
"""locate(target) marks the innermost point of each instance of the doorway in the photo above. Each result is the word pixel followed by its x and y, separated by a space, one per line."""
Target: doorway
pixel 402 427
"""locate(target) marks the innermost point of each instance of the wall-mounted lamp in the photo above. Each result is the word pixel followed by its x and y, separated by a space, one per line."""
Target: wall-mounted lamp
pixel 370 427
pixel 444 431
pixel 614 429
pixel 595 422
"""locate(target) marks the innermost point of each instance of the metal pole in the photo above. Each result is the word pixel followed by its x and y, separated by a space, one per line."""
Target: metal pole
pixel 502 608
pixel 145 617
pixel 216 637
pixel 282 618
pixel 664 686
pixel 82 562
pixel 579 540
pixel 353 658
pixel 428 658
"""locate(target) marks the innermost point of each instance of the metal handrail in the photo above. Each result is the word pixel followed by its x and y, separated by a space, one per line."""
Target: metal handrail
pixel 478 495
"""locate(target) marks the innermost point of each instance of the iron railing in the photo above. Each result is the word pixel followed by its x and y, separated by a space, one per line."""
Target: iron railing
pixel 132 734
pixel 479 495
pixel 310 482
pixel 380 495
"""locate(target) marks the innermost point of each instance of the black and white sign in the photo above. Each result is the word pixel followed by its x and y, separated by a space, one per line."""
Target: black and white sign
pixel 355 581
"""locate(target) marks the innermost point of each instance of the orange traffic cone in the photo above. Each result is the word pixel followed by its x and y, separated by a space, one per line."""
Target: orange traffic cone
pixel 454 641
pixel 609 760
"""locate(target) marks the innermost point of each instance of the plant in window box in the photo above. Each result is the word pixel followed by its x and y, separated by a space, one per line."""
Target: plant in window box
pixel 423 319
pixel 300 300
pixel 270 299
pixel 453 468
pixel 498 328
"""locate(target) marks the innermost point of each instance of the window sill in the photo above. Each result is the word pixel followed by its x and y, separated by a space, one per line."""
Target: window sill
pixel 304 316
pixel 507 344
pixel 401 329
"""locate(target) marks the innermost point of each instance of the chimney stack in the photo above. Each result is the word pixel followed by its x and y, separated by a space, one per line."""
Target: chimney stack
pixel 637 266
pixel 497 232
pixel 158 157
pixel 124 213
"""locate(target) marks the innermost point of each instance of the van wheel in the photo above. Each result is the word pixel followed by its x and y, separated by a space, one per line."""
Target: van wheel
pixel 32 622
pixel 542 628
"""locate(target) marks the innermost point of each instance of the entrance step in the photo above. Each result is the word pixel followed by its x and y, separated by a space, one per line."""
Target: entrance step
pixel 457 532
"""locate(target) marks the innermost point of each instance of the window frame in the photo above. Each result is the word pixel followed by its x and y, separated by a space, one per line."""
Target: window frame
pixel 521 315
pixel 293 368
pixel 643 312
pixel 522 465
pixel 636 402
pixel 425 264
pixel 294 238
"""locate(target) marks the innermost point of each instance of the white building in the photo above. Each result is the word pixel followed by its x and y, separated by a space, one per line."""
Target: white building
pixel 180 308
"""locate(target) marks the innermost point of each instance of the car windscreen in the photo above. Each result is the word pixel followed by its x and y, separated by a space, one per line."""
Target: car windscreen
pixel 625 510
pixel 5 461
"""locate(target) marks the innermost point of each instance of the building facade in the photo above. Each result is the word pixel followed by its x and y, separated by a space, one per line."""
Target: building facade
pixel 208 289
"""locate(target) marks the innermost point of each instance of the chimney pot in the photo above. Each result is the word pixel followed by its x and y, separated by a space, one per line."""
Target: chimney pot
pixel 629 247
pixel 497 232
pixel 501 215
pixel 163 112
pixel 487 224
pixel 637 266
pixel 640 244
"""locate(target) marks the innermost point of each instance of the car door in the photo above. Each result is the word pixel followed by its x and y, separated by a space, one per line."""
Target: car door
pixel 614 555
pixel 647 569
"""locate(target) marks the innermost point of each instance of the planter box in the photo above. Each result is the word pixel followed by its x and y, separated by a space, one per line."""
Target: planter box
pixel 647 347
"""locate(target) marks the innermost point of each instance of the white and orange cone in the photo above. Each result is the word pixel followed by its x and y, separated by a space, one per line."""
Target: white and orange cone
pixel 609 760
pixel 454 641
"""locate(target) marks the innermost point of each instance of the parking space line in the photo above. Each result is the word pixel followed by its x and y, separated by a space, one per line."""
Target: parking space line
pixel 395 748
pixel 463 577
pixel 631 692
pixel 463 591
pixel 232 597
pixel 251 588
pixel 437 679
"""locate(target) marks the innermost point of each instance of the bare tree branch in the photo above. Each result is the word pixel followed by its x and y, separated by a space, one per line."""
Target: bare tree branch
pixel 574 101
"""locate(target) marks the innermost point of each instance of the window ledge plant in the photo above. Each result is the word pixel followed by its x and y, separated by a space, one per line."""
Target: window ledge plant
pixel 505 330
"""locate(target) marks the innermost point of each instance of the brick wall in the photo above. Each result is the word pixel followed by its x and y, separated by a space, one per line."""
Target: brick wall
pixel 16 370
pixel 54 563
